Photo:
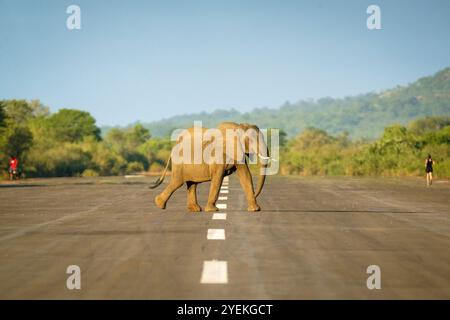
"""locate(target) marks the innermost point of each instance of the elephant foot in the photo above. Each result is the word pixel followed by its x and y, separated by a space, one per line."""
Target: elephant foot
pixel 160 203
pixel 194 207
pixel 253 208
pixel 211 208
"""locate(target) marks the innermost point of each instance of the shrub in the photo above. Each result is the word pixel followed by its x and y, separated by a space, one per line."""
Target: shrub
pixel 89 173
pixel 134 167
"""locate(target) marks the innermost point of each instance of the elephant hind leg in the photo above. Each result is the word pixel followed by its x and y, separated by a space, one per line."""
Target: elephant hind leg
pixel 192 204
pixel 163 197
pixel 160 202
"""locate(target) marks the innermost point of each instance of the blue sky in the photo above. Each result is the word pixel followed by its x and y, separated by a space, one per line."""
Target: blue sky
pixel 147 60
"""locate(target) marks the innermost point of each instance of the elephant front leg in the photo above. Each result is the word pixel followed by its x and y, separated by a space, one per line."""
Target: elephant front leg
pixel 216 182
pixel 192 204
pixel 245 178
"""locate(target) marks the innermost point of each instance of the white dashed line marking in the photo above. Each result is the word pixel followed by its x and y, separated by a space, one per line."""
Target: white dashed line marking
pixel 221 205
pixel 219 216
pixel 214 272
pixel 216 234
pixel 226 179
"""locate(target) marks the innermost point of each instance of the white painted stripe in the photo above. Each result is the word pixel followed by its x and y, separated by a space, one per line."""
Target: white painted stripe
pixel 224 187
pixel 221 205
pixel 216 234
pixel 219 216
pixel 223 191
pixel 214 272
pixel 226 179
pixel 223 198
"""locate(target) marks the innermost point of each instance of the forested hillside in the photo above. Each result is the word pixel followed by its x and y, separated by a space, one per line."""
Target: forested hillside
pixel 363 116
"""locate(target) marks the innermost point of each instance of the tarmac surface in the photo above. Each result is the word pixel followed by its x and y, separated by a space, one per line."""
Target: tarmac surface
pixel 314 239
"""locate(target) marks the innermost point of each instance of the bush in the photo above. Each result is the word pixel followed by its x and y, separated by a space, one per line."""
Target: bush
pixel 89 173
pixel 134 167
pixel 156 167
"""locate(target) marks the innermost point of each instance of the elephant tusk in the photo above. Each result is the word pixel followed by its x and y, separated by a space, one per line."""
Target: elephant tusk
pixel 267 158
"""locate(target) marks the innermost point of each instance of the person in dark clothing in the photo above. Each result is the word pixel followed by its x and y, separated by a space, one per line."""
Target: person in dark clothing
pixel 429 162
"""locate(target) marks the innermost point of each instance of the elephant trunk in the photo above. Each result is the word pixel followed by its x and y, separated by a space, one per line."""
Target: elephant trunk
pixel 262 172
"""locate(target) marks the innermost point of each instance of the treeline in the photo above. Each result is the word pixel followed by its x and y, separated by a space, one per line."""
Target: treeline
pixel 401 151
pixel 69 143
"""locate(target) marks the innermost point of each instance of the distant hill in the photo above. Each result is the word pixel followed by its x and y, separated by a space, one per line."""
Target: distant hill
pixel 362 116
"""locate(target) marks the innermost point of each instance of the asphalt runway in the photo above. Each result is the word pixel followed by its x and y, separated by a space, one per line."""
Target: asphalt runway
pixel 314 239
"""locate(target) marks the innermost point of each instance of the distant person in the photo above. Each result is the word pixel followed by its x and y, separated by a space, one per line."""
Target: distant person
pixel 429 162
pixel 13 163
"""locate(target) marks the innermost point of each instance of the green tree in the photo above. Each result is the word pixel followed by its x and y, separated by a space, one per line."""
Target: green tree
pixel 428 124
pixel 128 144
pixel 18 111
pixel 17 140
pixel 69 125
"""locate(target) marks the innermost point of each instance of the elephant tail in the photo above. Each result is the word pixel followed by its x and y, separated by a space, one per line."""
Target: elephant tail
pixel 161 178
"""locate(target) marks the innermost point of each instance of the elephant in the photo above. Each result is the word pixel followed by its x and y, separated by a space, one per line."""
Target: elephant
pixel 242 146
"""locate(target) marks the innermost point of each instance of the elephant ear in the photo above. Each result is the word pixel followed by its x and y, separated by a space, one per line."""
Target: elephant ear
pixel 233 146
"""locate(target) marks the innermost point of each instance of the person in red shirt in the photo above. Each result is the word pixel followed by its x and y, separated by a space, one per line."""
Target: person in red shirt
pixel 13 163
